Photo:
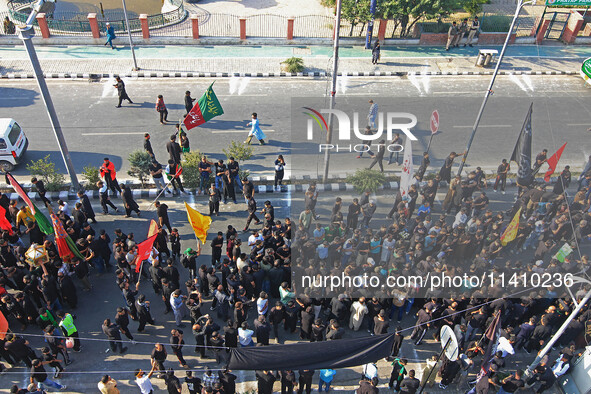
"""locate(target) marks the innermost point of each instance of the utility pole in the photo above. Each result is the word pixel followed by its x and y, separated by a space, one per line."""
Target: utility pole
pixel 333 90
pixel 135 67
pixel 372 10
pixel 26 33
pixel 489 90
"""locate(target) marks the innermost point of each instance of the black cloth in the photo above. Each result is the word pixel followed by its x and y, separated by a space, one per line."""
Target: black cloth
pixel 319 355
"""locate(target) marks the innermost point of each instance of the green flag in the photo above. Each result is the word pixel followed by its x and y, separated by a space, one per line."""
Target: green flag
pixel 206 108
pixel 42 221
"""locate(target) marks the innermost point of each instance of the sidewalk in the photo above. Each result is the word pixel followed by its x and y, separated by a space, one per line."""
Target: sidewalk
pixel 263 61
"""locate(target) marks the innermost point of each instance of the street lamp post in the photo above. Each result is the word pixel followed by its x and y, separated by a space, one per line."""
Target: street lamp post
pixel 135 67
pixel 26 33
pixel 520 5
pixel 372 11
pixel 333 89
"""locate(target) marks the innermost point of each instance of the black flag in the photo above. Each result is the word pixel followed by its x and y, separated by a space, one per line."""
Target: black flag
pixel 493 333
pixel 522 152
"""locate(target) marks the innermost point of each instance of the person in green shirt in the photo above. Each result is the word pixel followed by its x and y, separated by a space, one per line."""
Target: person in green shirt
pixel 398 372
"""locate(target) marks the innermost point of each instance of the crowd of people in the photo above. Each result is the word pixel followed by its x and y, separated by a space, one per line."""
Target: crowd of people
pixel 248 281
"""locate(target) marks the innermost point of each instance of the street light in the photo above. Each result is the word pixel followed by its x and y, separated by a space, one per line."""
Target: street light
pixel 520 5
pixel 26 33
pixel 135 67
pixel 333 89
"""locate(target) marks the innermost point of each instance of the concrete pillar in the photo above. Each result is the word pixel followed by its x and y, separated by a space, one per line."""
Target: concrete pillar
pixel 290 28
pixel 243 28
pixel 195 26
pixel 573 26
pixel 382 29
pixel 96 33
pixel 43 26
pixel 542 31
pixel 145 27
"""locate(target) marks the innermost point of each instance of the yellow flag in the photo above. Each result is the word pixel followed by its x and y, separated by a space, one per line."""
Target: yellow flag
pixel 153 228
pixel 199 222
pixel 511 230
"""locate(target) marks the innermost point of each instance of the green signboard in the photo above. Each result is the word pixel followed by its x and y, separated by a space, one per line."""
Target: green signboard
pixel 576 3
pixel 586 70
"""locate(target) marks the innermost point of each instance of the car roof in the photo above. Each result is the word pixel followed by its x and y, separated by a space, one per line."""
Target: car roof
pixel 4 123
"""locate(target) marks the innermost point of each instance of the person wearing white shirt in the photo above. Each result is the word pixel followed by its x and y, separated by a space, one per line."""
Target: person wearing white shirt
pixel 262 304
pixel 387 248
pixel 245 335
pixel 143 380
pixel 252 240
pixel 560 367
pixel 64 207
pixel 461 218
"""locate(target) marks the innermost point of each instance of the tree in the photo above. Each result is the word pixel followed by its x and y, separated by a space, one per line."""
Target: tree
pixel 140 161
pixel 407 13
pixel 474 7
pixel 45 168
pixel 356 12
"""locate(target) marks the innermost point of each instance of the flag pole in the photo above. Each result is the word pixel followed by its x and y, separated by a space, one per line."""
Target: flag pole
pixel 489 91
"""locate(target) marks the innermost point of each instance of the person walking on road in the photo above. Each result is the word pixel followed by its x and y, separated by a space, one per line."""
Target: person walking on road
pixel 397 140
pixel 174 149
pixel 129 202
pixel 110 176
pixel 451 35
pixel 473 30
pixel 113 333
pixel 372 115
pixel 120 85
pixel 252 212
pixel 379 157
pixel 188 102
pixel 375 52
pixel 104 198
pixel 39 375
pixel 161 108
pixel 162 212
pixel 255 130
pixel 279 171
pixel 69 329
pixel 110 33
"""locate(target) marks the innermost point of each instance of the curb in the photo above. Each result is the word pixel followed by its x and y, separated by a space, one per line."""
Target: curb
pixel 273 75
pixel 259 189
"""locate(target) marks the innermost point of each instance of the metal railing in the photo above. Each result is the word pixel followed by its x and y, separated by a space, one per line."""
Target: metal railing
pixel 72 23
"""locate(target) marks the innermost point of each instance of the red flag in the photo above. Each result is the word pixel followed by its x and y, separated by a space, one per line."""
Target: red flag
pixel 143 251
pixel 206 108
pixel 19 189
pixel 553 162
pixel 3 326
pixel 4 223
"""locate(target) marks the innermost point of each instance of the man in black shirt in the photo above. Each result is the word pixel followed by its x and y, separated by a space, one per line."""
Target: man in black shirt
pixel 162 212
pixel 156 171
pixel 39 375
pixel 512 383
pixel 381 325
pixel 173 386
pixel 174 150
pixel 216 248
pixel 410 385
pixel 114 335
pixel 234 169
pixel 148 146
pixel 40 190
pixel 252 209
pixel 176 343
pixel 194 384
pixel 247 189
pixel 188 102
pixel 502 171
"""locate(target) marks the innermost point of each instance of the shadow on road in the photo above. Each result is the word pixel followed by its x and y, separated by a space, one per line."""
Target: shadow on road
pixel 17 97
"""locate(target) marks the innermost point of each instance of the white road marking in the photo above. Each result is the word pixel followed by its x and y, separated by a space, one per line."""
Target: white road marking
pixel 123 133
pixel 243 84
pixel 245 131
pixel 484 125
pixel 528 82
pixel 413 79
pixel 233 82
pixel 579 124
pixel 517 82
pixel 342 83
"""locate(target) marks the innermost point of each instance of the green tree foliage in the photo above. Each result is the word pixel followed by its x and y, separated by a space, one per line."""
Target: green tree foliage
pixel 356 12
pixel 474 7
pixel 239 151
pixel 91 174
pixel 45 169
pixel 190 166
pixel 406 13
pixel 140 165
pixel 366 179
